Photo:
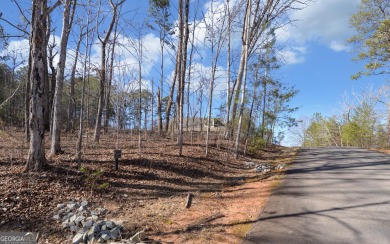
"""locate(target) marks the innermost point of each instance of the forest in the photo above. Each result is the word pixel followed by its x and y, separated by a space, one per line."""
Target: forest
pixel 209 66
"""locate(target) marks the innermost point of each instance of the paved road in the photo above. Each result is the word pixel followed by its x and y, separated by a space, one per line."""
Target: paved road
pixel 329 195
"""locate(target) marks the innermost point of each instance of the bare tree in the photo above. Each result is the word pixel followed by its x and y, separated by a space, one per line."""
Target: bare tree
pixel 108 93
pixel 86 73
pixel 69 10
pixel 104 41
pixel 184 33
pixel 217 37
pixel 36 155
pixel 71 103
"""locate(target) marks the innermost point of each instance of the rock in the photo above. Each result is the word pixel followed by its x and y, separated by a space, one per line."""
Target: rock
pixel 71 206
pixel 101 211
pixel 84 203
pixel 94 213
pixel 65 218
pixel 82 209
pixel 101 222
pixel 60 206
pixel 110 224
pixel 85 238
pixel 90 234
pixel 78 238
pixel 62 211
pixel 104 227
pixel 78 220
pixel 250 164
pixel 105 237
pixel 65 224
pixel 280 166
pixel 138 237
pixel 107 232
pixel 114 233
pixel 56 217
pixel 83 230
pixel 73 218
pixel 95 217
pixel 88 224
pixel 94 229
pixel 74 228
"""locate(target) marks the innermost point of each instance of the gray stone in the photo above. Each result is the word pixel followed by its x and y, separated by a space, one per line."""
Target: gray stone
pixel 84 203
pixel 280 166
pixel 101 211
pixel 78 238
pixel 105 236
pixel 101 222
pixel 250 164
pixel 56 217
pixel 107 232
pixel 88 224
pixel 95 217
pixel 71 206
pixel 110 224
pixel 65 224
pixel 138 237
pixel 82 209
pixel 74 228
pixel 94 229
pixel 60 206
pixel 114 233
pixel 94 213
pixel 78 220
pixel 83 230
pixel 67 217
pixel 62 211
pixel 85 238
pixel 104 227
pixel 73 218
pixel 101 240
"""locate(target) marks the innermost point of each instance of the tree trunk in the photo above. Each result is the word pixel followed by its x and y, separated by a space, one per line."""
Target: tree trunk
pixel 71 104
pixel 228 89
pixel 161 89
pixel 107 101
pixel 139 93
pixel 101 93
pixel 103 70
pixel 67 24
pixel 85 73
pixel 183 72
pixel 36 155
pixel 170 100
pixel 243 67
pixel 247 137
pixel 46 88
pixel 160 131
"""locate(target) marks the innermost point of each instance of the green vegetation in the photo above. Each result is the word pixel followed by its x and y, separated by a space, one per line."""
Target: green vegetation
pixel 371 42
pixel 93 179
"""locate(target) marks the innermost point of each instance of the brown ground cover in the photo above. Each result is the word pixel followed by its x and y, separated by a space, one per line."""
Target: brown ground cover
pixel 148 192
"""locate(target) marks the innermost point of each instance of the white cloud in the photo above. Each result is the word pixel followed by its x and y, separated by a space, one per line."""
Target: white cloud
pixel 294 55
pixel 325 21
pixel 337 46
pixel 18 50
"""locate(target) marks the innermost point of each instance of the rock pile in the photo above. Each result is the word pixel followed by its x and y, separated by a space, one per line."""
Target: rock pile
pixel 264 168
pixel 88 226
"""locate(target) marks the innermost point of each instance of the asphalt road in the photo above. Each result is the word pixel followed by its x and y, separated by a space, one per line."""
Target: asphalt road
pixel 329 195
